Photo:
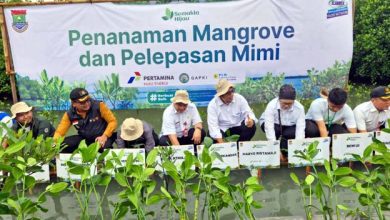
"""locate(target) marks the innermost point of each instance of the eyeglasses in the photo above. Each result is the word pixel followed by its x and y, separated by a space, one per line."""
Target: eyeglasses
pixel 83 102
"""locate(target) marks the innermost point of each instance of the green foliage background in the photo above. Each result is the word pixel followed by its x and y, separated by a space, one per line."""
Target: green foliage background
pixel 370 62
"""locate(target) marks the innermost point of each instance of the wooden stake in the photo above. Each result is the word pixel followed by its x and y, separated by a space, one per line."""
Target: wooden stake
pixel 9 68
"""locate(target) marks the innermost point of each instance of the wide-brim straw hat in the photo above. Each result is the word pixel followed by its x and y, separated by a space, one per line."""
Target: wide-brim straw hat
pixel 131 129
pixel 181 96
pixel 20 107
pixel 223 86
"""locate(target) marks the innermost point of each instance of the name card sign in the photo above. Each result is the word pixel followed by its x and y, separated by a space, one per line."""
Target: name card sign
pixel 228 152
pixel 302 145
pixel 384 137
pixel 138 155
pixel 259 154
pixel 177 157
pixel 62 168
pixel 346 144
pixel 44 175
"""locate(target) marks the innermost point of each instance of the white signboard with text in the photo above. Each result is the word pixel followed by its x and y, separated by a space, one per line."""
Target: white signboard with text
pixel 228 152
pixel 259 154
pixel 178 155
pixel 138 155
pixel 346 144
pixel 384 137
pixel 301 145
pixel 62 168
pixel 43 176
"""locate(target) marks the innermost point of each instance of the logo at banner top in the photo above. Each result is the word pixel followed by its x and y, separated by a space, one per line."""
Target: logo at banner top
pixel 184 78
pixel 19 23
pixel 136 77
pixel 168 14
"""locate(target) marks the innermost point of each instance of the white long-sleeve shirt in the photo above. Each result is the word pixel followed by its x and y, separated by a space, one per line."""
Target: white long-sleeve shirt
pixel 295 115
pixel 221 116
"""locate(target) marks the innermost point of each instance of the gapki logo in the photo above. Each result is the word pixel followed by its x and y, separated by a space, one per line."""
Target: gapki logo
pixel 179 15
pixel 19 23
pixel 337 8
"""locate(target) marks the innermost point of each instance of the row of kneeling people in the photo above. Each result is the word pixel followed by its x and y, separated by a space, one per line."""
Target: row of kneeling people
pixel 228 113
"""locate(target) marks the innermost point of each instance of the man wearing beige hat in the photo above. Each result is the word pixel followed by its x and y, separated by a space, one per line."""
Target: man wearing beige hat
pixel 181 122
pixel 92 119
pixel 25 119
pixel 230 111
pixel 135 132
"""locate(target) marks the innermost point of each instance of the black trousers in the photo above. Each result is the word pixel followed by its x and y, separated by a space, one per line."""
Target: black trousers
pixel 288 133
pixel 164 140
pixel 313 131
pixel 72 143
pixel 246 134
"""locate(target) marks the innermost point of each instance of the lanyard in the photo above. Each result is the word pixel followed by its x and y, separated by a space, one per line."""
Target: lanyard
pixel 330 120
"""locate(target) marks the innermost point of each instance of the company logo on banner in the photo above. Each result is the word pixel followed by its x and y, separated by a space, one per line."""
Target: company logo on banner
pixel 179 16
pixel 337 8
pixel 137 76
pixel 19 23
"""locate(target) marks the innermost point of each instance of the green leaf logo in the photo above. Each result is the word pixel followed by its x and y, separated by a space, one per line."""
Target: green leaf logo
pixel 168 14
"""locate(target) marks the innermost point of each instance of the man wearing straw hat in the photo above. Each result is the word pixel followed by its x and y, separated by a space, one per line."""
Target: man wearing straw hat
pixel 25 119
pixel 135 132
pixel 92 119
pixel 373 115
pixel 181 122
pixel 230 111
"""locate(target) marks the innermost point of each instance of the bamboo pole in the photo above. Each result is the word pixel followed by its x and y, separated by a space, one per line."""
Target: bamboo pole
pixel 9 68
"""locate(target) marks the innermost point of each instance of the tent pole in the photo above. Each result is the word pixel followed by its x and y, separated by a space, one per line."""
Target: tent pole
pixel 9 68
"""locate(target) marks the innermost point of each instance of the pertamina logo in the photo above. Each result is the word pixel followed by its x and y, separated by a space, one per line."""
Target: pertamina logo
pixel 19 23
pixel 136 77
pixel 179 15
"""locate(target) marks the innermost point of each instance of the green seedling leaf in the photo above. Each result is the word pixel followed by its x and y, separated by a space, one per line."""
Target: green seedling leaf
pixel 15 148
pixel 295 178
pixel 57 187
pixel 309 179
pixel 121 179
pixel 252 181
pixel 221 186
pixel 153 199
pixel 342 171
pixel 342 207
pixel 29 181
pixel 151 158
pixel 166 193
pixel 347 181
pixel 324 179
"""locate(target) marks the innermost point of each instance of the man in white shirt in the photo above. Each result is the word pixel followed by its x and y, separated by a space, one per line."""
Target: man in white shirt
pixel 331 115
pixel 230 111
pixel 181 122
pixel 373 115
pixel 284 118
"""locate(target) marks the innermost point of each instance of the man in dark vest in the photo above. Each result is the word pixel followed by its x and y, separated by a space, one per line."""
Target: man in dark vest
pixel 26 120
pixel 93 120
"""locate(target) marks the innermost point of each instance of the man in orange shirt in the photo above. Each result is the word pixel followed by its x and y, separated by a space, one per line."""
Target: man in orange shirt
pixel 93 120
